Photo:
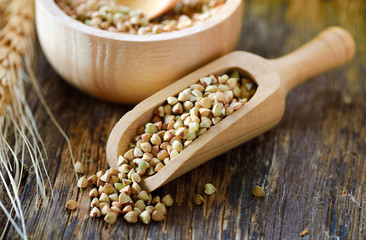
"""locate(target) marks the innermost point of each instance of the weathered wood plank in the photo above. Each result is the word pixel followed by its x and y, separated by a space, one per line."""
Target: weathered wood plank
pixel 312 165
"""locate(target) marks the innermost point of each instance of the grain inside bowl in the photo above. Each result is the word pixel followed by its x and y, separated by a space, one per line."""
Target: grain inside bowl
pixel 112 16
pixel 108 64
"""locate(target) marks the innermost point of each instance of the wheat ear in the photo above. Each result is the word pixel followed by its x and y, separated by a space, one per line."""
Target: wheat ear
pixel 20 141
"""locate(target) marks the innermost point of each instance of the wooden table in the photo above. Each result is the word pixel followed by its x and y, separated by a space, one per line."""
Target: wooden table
pixel 312 165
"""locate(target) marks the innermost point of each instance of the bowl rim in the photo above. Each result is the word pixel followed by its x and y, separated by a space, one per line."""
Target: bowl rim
pixel 227 10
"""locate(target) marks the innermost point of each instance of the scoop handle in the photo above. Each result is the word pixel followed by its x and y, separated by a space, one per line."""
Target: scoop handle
pixel 332 48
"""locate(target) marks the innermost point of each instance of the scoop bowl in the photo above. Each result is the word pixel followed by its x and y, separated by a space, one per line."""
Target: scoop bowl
pixel 275 78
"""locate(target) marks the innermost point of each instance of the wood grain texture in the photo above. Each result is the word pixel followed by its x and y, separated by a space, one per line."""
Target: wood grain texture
pixel 312 165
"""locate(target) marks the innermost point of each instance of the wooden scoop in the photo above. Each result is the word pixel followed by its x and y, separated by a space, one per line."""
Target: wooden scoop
pixel 151 8
pixel 275 78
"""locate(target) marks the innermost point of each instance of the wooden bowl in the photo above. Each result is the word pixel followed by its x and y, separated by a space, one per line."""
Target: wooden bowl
pixel 128 68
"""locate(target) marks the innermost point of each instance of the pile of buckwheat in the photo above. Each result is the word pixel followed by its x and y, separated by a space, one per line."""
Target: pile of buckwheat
pixel 175 125
pixel 183 118
pixel 111 16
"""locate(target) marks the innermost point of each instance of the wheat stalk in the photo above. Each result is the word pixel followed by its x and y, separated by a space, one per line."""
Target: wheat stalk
pixel 16 41
pixel 19 136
